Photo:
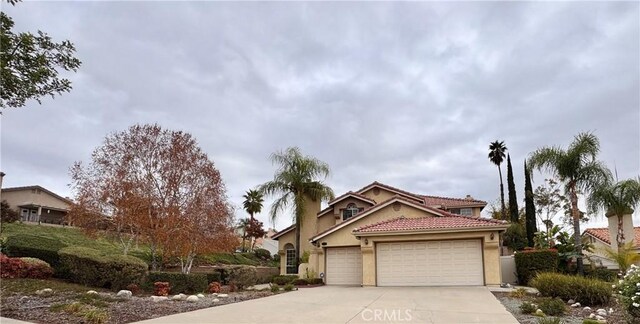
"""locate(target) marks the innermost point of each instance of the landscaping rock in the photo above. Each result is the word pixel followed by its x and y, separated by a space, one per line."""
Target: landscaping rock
pixel 571 301
pixel 599 318
pixel 156 299
pixel 592 316
pixel 610 310
pixel 44 292
pixel 601 312
pixel 24 298
pixel 575 305
pixel 539 312
pixel 192 298
pixel 214 295
pixel 587 309
pixel 126 294
pixel 222 296
pixel 179 297
pixel 92 292
pixel 216 300
pixel 200 295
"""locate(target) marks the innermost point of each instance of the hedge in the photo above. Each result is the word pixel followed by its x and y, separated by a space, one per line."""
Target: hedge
pixel 284 279
pixel 180 282
pixel 214 277
pixel 531 262
pixel 587 291
pixel 95 268
pixel 34 246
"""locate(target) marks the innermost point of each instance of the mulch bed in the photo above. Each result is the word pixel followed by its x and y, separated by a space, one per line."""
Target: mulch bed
pixel 34 308
pixel 573 315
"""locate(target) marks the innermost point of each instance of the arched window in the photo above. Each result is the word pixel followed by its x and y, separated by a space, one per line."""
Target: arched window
pixel 290 254
pixel 350 211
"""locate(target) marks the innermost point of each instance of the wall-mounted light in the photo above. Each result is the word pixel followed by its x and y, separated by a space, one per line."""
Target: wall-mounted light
pixel 491 236
pixel 366 241
pixel 324 243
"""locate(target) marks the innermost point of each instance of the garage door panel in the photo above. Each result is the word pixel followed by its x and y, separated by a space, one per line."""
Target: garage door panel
pixel 430 263
pixel 344 266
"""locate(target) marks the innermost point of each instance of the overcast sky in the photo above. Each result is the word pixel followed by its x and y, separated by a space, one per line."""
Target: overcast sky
pixel 409 94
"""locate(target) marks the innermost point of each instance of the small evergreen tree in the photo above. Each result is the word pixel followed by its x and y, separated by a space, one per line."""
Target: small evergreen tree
pixel 529 207
pixel 511 187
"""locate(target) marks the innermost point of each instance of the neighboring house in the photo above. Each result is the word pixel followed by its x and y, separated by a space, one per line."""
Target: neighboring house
pixel 601 239
pixel 383 236
pixel 37 204
pixel 267 242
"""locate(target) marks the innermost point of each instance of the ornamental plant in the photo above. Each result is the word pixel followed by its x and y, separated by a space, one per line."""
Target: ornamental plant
pixel 629 290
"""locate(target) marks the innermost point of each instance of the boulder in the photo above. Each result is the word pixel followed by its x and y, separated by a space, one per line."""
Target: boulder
pixel 587 309
pixel 539 312
pixel 222 295
pixel 44 292
pixel 571 301
pixel 575 305
pixel 216 300
pixel 610 310
pixel 192 298
pixel 200 295
pixel 592 316
pixel 92 292
pixel 179 297
pixel 156 299
pixel 124 294
pixel 601 312
pixel 214 295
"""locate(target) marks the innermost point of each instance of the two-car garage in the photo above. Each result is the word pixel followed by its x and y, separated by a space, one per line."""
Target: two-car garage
pixel 418 263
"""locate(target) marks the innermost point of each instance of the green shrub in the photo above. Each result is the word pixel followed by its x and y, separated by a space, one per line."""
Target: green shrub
pixel 530 262
pixel 243 277
pixel 288 287
pixel 283 279
pixel 528 308
pixel 300 282
pixel 552 306
pixel 518 293
pixel 43 248
pixel 276 258
pixel 214 277
pixel 628 288
pixel 590 321
pixel 262 254
pixel 179 282
pixel 515 237
pixel 275 288
pixel 587 291
pixel 601 273
pixel 549 320
pixel 315 281
pixel 265 274
pixel 95 268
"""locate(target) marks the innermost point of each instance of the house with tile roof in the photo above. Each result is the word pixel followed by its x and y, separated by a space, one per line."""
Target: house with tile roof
pixel 37 204
pixel 604 237
pixel 380 235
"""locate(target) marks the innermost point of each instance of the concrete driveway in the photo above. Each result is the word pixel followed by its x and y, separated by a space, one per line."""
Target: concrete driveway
pixel 331 304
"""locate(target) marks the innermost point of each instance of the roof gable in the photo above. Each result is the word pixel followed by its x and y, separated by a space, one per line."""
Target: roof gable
pixel 49 192
pixel 602 234
pixel 394 190
pixel 349 194
pixel 374 208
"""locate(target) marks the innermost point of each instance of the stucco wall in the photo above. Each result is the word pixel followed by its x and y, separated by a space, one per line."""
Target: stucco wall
pixel 22 197
pixel 309 229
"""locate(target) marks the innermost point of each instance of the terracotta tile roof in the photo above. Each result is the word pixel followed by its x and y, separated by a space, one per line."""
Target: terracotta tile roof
pixel 451 202
pixel 602 234
pixel 429 222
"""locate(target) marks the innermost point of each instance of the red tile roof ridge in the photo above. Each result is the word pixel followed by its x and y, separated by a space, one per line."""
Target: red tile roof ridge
pixel 456 199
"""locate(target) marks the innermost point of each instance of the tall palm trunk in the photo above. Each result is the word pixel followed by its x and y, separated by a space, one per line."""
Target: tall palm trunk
pixel 502 211
pixel 575 214
pixel 620 236
pixel 297 262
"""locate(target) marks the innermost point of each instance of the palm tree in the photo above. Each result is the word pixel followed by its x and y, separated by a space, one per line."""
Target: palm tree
pixel 496 155
pixel 296 181
pixel 252 202
pixel 242 225
pixel 623 256
pixel 578 168
pixel 617 199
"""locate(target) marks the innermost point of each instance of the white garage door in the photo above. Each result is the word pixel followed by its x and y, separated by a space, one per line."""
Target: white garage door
pixel 430 263
pixel 344 266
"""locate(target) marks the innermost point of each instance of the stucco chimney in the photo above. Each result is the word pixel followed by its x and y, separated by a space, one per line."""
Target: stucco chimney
pixel 627 227
pixel 468 197
pixel 1 177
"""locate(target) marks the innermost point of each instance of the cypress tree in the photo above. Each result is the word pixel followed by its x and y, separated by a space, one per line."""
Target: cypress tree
pixel 529 207
pixel 513 199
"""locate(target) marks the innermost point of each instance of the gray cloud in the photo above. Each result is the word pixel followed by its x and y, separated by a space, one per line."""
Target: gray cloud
pixel 405 93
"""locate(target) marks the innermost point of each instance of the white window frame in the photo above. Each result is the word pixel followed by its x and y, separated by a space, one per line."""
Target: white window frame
pixel 350 211
pixel 290 260
pixel 466 211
